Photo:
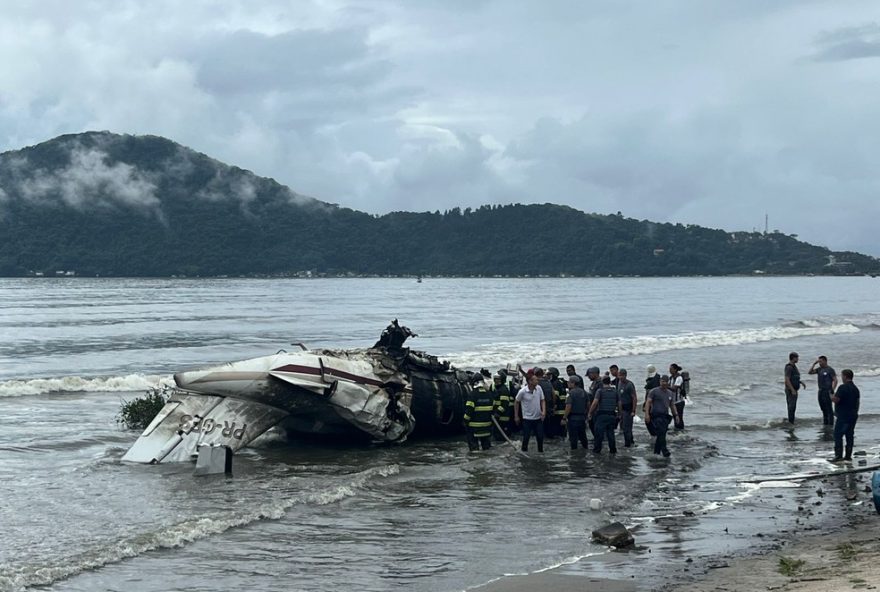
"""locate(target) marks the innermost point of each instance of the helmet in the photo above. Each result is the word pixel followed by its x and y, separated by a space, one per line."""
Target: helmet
pixel 499 378
pixel 554 372
pixel 485 372
pixel 477 378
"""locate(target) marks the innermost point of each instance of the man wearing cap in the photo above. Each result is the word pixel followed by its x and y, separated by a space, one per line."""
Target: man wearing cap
pixel 626 391
pixel 530 409
pixel 793 383
pixel 658 406
pixel 605 409
pixel 575 418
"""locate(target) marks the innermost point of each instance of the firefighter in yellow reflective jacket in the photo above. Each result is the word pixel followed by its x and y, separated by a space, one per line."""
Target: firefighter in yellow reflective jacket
pixel 503 403
pixel 478 411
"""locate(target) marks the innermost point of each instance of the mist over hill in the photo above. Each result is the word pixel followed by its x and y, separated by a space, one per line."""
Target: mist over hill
pixel 105 204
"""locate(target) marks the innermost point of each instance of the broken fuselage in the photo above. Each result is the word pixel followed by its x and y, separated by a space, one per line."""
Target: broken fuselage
pixel 383 393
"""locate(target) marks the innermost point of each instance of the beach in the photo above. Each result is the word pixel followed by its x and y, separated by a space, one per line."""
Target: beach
pixel 310 515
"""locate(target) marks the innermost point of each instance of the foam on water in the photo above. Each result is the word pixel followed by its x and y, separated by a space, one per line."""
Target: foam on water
pixel 15 578
pixel 616 347
pixel 76 384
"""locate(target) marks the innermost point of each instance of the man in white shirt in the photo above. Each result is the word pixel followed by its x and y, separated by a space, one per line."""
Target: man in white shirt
pixel 530 409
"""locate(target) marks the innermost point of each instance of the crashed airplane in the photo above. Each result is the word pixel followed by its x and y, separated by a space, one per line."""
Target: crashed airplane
pixel 383 393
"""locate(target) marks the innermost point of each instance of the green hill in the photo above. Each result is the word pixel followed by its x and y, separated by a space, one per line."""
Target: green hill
pixel 118 205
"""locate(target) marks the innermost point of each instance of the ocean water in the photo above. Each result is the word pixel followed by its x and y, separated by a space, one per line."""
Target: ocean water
pixel 427 514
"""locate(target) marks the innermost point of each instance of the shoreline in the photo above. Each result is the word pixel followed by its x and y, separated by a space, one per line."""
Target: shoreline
pixel 831 543
pixel 844 558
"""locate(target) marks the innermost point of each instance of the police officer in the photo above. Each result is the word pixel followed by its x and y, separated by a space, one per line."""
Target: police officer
pixel 575 417
pixel 592 386
pixel 503 403
pixel 605 409
pixel 658 407
pixel 628 402
pixel 478 412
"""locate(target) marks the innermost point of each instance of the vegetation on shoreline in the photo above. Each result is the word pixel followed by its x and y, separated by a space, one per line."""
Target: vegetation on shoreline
pixel 142 206
pixel 139 412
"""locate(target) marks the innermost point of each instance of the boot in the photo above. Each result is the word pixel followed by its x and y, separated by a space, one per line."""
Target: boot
pixel 848 455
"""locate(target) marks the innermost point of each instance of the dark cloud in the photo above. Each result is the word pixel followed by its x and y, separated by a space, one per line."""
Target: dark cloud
pixel 849 43
pixel 309 62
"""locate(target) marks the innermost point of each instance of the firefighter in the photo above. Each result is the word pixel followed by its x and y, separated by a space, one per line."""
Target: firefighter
pixel 479 408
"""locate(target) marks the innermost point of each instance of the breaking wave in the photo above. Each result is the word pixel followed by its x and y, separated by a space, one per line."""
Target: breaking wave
pixel 616 347
pixel 180 534
pixel 76 384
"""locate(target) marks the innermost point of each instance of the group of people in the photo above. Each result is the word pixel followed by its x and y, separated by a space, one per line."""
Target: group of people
pixel 844 397
pixel 546 405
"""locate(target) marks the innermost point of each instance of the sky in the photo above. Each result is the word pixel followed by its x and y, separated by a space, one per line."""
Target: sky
pixel 704 112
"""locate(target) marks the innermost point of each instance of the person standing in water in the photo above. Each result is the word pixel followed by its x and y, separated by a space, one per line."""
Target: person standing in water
pixel 793 383
pixel 657 409
pixel 606 409
pixel 628 403
pixel 531 408
pixel 827 380
pixel 575 418
pixel 846 401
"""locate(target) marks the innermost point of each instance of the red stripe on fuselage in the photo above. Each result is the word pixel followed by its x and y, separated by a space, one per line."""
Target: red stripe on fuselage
pixel 297 369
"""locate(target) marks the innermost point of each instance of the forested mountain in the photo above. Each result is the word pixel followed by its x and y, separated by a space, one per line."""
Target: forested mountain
pixel 119 205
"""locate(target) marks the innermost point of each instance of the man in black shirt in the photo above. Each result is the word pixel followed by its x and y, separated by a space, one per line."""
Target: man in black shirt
pixel 846 403
pixel 793 382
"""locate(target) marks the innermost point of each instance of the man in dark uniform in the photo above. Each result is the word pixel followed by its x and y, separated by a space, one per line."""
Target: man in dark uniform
pixel 478 412
pixel 560 390
pixel 658 406
pixel 592 385
pixel 613 371
pixel 846 404
pixel 503 403
pixel 652 381
pixel 628 402
pixel 571 371
pixel 827 380
pixel 793 383
pixel 605 409
pixel 575 418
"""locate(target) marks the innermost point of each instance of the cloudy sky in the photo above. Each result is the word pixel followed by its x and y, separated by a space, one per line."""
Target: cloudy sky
pixel 693 111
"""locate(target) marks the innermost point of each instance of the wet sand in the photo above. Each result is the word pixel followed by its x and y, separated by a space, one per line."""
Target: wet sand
pixel 847 559
pixel 834 546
